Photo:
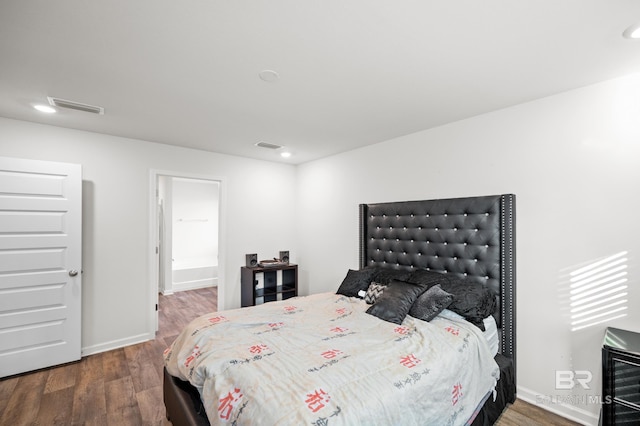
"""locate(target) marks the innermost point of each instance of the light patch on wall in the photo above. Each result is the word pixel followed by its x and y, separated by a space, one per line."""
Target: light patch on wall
pixel 598 291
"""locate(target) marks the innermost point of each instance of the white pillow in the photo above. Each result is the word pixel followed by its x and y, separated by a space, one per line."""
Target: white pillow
pixel 491 334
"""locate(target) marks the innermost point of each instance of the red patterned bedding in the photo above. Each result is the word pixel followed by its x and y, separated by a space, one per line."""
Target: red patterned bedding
pixel 322 360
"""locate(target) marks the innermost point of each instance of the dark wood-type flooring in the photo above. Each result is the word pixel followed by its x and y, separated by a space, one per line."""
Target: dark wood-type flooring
pixel 124 386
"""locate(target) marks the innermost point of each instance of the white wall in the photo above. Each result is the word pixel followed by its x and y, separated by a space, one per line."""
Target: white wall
pixel 195 219
pixel 573 161
pixel 116 175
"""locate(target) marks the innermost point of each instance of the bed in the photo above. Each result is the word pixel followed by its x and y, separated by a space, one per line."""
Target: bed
pixel 461 247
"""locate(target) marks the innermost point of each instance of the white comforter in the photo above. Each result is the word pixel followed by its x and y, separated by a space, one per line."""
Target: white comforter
pixel 322 360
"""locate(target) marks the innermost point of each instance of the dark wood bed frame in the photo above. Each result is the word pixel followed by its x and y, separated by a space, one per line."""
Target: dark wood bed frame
pixel 472 237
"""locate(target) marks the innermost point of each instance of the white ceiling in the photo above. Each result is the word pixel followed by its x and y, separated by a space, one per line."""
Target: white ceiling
pixel 352 72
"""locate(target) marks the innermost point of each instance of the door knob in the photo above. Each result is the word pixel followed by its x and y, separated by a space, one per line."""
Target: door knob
pixel 73 273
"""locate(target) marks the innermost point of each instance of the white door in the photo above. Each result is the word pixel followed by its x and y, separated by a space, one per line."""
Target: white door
pixel 40 264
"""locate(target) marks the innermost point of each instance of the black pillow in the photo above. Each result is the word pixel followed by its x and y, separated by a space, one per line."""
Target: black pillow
pixel 430 303
pixel 474 301
pixel 396 300
pixel 385 275
pixel 356 281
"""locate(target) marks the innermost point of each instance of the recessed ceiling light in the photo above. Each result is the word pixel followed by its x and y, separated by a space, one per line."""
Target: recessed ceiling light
pixel 285 154
pixel 268 75
pixel 45 108
pixel 632 32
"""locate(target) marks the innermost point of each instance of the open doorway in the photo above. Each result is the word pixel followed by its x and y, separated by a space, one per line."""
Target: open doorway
pixel 187 235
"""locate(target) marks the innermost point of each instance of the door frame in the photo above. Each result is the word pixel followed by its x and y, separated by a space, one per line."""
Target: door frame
pixel 153 259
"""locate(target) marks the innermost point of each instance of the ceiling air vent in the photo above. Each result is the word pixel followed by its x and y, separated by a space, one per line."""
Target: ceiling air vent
pixel 268 145
pixel 62 103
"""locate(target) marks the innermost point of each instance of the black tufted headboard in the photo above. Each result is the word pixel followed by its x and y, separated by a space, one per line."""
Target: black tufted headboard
pixel 472 237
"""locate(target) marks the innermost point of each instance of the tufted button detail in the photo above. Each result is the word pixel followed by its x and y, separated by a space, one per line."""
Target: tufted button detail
pixel 445 243
pixel 435 229
pixel 445 215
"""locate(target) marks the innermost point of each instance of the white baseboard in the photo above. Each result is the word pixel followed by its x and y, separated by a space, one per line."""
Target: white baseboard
pixel 115 344
pixel 567 411
pixel 194 285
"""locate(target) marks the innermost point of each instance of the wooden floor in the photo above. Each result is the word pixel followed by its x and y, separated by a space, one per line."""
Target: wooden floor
pixel 522 413
pixel 120 387
pixel 124 386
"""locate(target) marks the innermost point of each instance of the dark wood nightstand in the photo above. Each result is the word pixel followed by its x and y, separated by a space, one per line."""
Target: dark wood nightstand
pixel 621 377
pixel 260 285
